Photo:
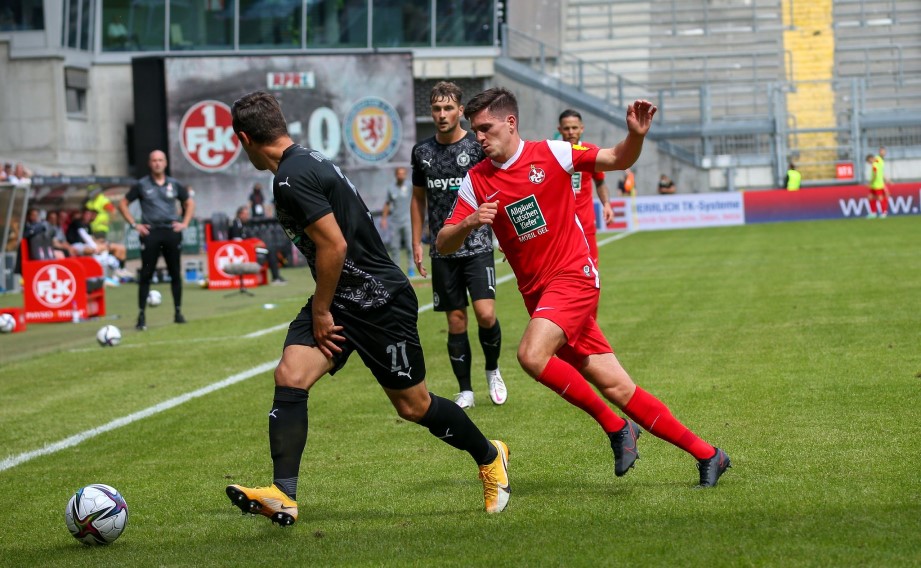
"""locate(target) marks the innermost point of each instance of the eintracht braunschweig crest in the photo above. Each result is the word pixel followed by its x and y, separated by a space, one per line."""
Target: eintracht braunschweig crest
pixel 373 130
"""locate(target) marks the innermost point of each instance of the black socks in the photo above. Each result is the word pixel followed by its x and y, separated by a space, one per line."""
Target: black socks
pixel 288 436
pixel 491 341
pixel 450 424
pixel 459 352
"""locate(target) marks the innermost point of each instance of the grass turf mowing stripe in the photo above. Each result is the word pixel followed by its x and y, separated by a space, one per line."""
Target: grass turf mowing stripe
pixel 72 441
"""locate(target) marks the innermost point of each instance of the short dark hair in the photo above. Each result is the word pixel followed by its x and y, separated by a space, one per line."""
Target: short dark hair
pixel 569 113
pixel 259 115
pixel 446 90
pixel 497 100
pixel 869 157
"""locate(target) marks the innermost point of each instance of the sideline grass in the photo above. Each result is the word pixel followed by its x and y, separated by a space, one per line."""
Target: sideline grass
pixel 794 347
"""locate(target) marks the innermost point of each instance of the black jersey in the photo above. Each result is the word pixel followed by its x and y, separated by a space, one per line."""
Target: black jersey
pixel 440 168
pixel 307 187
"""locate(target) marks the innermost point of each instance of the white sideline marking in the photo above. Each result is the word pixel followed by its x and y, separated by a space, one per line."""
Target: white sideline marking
pixel 125 420
pixel 72 441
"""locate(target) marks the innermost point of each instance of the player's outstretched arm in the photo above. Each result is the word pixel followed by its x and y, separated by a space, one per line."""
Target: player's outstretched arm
pixel 625 154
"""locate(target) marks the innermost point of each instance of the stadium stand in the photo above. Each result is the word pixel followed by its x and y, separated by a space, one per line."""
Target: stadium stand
pixel 756 82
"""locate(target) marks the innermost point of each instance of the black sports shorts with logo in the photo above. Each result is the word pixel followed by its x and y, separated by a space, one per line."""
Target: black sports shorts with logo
pixel 453 277
pixel 386 339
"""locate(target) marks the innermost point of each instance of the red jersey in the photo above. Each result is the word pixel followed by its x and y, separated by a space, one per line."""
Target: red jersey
pixel 536 224
pixel 583 187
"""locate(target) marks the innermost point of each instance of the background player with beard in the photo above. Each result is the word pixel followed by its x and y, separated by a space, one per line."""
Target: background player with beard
pixel 439 163
pixel 362 303
pixel 571 128
pixel 522 192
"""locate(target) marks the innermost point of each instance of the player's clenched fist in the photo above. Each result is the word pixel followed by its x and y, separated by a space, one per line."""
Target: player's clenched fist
pixel 485 215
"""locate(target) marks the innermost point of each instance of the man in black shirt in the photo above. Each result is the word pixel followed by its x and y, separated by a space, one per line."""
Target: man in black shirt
pixel 161 229
pixel 439 164
pixel 239 230
pixel 362 303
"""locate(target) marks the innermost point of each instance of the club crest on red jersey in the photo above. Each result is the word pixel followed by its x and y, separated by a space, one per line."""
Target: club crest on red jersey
pixel 536 175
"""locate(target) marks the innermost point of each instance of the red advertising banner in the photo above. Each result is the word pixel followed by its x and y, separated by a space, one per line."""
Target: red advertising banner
pixel 833 202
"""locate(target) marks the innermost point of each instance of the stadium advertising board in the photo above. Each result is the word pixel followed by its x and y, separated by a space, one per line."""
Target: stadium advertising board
pixel 833 202
pixel 356 109
pixel 656 212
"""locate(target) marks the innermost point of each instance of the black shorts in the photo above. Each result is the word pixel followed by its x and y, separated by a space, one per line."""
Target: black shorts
pixel 386 339
pixel 452 278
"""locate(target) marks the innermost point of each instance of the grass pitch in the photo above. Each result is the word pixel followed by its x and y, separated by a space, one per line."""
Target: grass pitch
pixel 795 347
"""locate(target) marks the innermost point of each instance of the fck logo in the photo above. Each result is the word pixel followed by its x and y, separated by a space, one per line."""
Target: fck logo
pixel 229 254
pixel 54 285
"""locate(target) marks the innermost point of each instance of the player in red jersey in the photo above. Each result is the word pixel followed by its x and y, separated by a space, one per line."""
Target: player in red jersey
pixel 519 192
pixel 571 128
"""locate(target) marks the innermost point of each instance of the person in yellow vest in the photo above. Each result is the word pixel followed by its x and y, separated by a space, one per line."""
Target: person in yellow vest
pixel 879 190
pixel 99 227
pixel 793 179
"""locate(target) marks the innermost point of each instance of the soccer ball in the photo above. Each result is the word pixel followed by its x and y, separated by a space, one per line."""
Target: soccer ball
pixel 96 514
pixel 7 323
pixel 154 299
pixel 109 336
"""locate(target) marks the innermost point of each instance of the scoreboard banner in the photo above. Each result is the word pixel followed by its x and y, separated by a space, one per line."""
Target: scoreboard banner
pixel 356 109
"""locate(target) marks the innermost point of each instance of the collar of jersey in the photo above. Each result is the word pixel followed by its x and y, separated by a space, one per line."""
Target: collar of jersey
pixel 511 161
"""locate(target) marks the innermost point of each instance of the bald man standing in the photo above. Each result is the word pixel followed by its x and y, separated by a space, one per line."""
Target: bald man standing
pixel 160 229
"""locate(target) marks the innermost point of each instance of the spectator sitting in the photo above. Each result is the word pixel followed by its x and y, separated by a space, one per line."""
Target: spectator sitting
pixel 7 173
pixel 40 235
pixel 239 230
pixel 59 241
pixel 21 172
pixel 99 227
pixel 666 185
pixel 83 243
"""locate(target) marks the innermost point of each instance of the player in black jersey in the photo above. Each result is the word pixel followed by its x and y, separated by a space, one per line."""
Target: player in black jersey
pixel 362 303
pixel 439 164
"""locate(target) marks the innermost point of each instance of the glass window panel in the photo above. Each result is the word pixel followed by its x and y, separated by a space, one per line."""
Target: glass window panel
pixel 270 24
pixel 133 25
pixel 71 13
pixel 86 25
pixel 203 25
pixel 464 22
pixel 337 23
pixel 401 24
pixel 22 15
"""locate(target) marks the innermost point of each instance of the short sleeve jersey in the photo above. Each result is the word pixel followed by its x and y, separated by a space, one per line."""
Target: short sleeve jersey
pixel 440 168
pixel 307 187
pixel 536 223
pixel 400 197
pixel 582 186
pixel 158 202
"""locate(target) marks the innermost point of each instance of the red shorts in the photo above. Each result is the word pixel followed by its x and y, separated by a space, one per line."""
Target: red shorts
pixel 878 193
pixel 571 304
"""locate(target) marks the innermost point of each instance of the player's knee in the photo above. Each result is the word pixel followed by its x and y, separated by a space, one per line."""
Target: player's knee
pixel 531 359
pixel 287 375
pixel 410 410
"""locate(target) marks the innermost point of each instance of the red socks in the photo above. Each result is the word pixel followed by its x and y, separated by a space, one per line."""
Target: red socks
pixel 650 413
pixel 563 379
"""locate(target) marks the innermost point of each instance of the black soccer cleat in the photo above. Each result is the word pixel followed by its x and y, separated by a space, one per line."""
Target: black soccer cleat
pixel 711 469
pixel 141 325
pixel 623 442
pixel 179 318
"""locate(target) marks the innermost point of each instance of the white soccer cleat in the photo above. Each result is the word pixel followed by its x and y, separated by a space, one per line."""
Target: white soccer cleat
pixel 497 391
pixel 464 399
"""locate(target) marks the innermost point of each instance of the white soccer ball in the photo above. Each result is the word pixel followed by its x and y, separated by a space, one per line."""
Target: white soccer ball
pixel 7 323
pixel 154 299
pixel 96 514
pixel 109 336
